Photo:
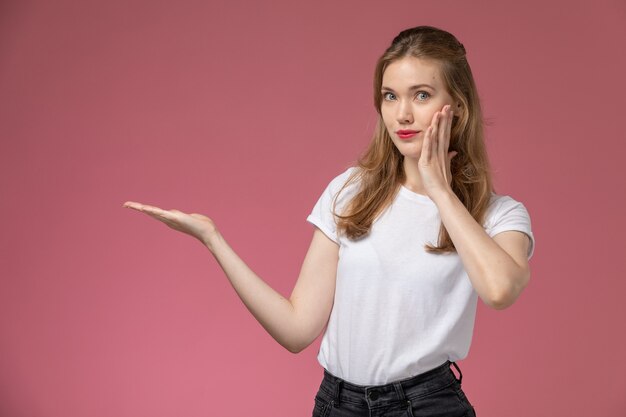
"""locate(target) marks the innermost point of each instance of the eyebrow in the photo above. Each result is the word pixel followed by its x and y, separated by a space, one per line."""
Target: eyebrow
pixel 411 88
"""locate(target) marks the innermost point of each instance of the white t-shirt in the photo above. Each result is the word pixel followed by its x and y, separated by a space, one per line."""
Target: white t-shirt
pixel 400 311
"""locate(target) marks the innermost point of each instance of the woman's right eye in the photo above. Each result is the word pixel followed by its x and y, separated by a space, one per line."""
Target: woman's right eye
pixel 389 96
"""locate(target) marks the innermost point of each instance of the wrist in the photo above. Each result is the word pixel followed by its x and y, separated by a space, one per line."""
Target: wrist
pixel 442 195
pixel 212 239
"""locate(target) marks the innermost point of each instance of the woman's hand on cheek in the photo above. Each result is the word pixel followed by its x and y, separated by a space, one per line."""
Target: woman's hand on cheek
pixel 434 162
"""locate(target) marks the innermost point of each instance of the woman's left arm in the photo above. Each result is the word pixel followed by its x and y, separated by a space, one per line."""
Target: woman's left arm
pixel 497 267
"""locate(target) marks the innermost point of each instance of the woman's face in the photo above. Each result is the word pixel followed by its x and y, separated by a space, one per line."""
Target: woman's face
pixel 412 91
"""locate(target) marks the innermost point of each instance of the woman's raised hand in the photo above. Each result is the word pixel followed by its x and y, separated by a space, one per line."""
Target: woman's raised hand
pixel 435 159
pixel 197 225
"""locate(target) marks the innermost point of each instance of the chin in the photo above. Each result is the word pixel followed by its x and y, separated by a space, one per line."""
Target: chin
pixel 414 156
pixel 412 151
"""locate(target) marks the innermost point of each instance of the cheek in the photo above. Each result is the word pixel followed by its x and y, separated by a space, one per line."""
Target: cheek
pixel 430 113
pixel 432 108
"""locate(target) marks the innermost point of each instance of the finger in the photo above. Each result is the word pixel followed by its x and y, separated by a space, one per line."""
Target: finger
pixel 134 206
pixel 434 137
pixel 152 210
pixel 451 155
pixel 426 146
pixel 441 131
pixel 160 214
pixel 449 126
pixel 445 133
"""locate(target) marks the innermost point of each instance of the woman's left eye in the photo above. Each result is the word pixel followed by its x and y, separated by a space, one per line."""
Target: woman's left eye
pixel 423 93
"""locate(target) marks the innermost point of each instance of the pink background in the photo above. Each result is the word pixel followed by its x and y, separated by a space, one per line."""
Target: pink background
pixel 244 111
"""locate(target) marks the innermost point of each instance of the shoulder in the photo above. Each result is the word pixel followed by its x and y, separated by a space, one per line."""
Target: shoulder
pixel 342 178
pixel 338 182
pixel 500 200
pixel 335 192
pixel 506 213
pixel 334 196
pixel 505 209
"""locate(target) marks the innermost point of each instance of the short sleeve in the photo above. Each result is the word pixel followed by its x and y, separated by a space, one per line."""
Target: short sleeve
pixel 322 214
pixel 508 214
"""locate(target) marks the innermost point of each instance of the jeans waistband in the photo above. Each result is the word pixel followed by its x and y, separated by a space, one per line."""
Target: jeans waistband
pixel 341 390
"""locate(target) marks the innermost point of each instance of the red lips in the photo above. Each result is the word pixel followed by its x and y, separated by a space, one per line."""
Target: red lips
pixel 406 134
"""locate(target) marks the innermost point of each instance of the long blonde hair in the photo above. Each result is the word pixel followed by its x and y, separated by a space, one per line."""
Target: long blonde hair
pixel 380 169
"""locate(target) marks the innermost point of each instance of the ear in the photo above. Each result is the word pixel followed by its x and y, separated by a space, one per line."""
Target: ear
pixel 458 109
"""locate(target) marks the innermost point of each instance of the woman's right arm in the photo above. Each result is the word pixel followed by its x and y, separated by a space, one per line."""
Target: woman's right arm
pixel 295 322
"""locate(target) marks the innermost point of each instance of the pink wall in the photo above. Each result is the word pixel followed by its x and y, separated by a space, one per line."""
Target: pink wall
pixel 244 111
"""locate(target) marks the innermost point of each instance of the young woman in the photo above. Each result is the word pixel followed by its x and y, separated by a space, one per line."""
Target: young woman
pixel 405 243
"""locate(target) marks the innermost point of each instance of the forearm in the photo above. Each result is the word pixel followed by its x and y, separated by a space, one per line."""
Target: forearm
pixel 494 274
pixel 275 312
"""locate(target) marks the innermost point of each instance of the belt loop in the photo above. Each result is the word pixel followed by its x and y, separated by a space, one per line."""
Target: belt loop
pixel 459 371
pixel 337 391
pixel 399 390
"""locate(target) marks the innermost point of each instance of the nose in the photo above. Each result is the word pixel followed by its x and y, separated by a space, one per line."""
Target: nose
pixel 405 114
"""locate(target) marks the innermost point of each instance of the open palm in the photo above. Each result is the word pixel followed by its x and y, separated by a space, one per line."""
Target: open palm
pixel 194 224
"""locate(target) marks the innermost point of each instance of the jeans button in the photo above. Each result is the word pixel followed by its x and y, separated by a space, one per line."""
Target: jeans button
pixel 374 395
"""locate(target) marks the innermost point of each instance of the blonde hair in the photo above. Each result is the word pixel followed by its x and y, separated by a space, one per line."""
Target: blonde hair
pixel 380 170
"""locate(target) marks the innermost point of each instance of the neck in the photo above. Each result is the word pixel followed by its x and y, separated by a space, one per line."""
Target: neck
pixel 413 179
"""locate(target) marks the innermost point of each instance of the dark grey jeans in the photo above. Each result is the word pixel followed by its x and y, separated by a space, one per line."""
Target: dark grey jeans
pixel 435 393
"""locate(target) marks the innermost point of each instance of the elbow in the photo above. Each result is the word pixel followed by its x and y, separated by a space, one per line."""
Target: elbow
pixel 295 347
pixel 505 298
pixel 301 338
pixel 292 347
pixel 501 301
pixel 297 344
